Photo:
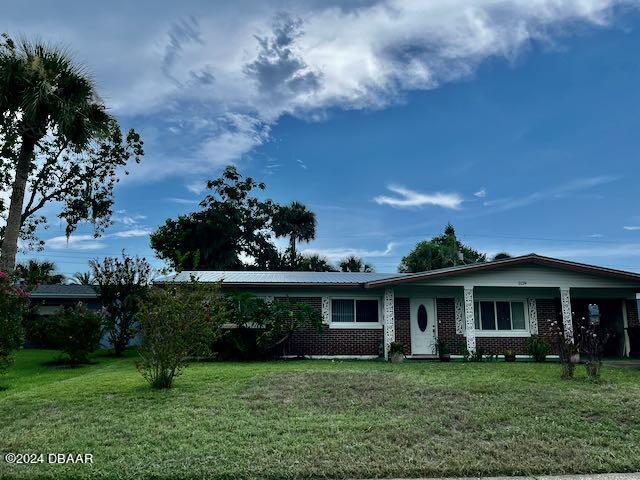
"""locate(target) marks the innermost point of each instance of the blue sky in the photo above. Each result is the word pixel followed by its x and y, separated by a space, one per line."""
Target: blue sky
pixel 519 122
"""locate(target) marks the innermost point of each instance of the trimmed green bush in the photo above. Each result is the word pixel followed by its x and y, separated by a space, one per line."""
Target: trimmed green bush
pixel 77 331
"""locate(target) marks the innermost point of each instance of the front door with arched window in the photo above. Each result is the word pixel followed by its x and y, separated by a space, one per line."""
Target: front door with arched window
pixel 423 326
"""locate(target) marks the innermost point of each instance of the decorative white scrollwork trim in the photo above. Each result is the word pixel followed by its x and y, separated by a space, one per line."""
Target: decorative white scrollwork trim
pixel 567 322
pixel 459 308
pixel 470 319
pixel 533 316
pixel 388 316
pixel 326 310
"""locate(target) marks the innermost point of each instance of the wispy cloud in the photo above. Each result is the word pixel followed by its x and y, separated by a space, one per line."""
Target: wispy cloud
pixel 560 191
pixel 411 199
pixel 75 242
pixel 334 254
pixel 134 232
pixel 631 228
pixel 480 193
pixel 182 201
pixel 301 164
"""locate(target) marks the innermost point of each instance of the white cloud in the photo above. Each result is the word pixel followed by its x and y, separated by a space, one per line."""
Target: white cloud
pixel 559 191
pixel 134 232
pixel 335 254
pixel 631 228
pixel 411 199
pixel 75 242
pixel 595 235
pixel 480 193
pixel 182 201
pixel 219 81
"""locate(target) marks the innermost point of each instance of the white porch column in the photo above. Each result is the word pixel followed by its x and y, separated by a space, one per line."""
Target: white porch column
pixel 470 320
pixel 389 320
pixel 567 322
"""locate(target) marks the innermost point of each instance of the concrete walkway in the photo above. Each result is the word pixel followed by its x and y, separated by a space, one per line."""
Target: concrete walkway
pixel 604 476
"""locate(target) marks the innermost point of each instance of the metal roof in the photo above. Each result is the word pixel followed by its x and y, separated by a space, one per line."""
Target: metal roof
pixel 64 291
pixel 245 278
pixel 529 259
pixel 372 280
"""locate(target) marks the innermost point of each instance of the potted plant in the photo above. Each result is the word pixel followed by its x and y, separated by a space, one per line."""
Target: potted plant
pixel 396 352
pixel 442 350
pixel 509 355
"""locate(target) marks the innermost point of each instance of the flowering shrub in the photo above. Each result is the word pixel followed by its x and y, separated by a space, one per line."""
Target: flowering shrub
pixel 567 350
pixel 176 324
pixel 13 306
pixel 591 341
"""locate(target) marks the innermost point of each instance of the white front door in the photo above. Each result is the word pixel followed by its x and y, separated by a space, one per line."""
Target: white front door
pixel 423 326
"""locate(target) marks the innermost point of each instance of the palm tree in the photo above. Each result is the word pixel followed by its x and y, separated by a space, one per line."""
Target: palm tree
pixel 354 264
pixel 296 222
pixel 42 91
pixel 501 256
pixel 313 262
pixel 35 272
pixel 83 278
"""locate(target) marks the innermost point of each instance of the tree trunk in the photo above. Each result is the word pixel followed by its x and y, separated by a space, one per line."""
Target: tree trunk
pixel 14 220
pixel 294 258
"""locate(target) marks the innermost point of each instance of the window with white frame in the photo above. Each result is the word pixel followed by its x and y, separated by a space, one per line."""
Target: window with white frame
pixel 354 310
pixel 500 315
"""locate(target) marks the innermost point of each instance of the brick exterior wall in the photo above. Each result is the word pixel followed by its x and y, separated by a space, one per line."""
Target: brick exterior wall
pixel 403 326
pixel 446 312
pixel 632 313
pixel 333 341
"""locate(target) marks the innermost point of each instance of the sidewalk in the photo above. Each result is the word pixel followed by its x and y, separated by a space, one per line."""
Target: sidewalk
pixel 603 476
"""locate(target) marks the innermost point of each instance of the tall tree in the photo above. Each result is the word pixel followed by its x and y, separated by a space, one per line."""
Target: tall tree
pixel 501 256
pixel 56 140
pixel 123 284
pixel 296 222
pixel 440 252
pixel 354 264
pixel 313 262
pixel 83 278
pixel 232 224
pixel 36 272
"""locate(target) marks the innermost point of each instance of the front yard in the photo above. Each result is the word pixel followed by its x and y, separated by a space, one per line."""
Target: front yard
pixel 319 419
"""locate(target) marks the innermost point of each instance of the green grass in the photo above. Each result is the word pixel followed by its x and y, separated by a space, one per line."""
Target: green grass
pixel 319 419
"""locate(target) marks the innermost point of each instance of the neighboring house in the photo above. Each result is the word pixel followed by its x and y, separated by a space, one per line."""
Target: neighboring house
pixel 50 299
pixel 494 305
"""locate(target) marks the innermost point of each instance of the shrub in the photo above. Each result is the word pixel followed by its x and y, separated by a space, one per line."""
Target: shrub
pixel 567 350
pixel 509 355
pixel 77 331
pixel 464 351
pixel 441 347
pixel 123 285
pixel 478 355
pixel 537 347
pixel 397 348
pixel 13 307
pixel 177 324
pixel 591 340
pixel 263 327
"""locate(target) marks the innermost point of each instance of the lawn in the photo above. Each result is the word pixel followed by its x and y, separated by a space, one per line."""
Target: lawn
pixel 321 419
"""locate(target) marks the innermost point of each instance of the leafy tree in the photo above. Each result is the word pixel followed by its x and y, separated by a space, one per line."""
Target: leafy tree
pixel 77 332
pixel 176 324
pixel 440 252
pixel 501 256
pixel 354 264
pixel 122 284
pixel 83 278
pixel 273 321
pixel 36 272
pixel 313 263
pixel 231 223
pixel 57 142
pixel 13 307
pixel 296 222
